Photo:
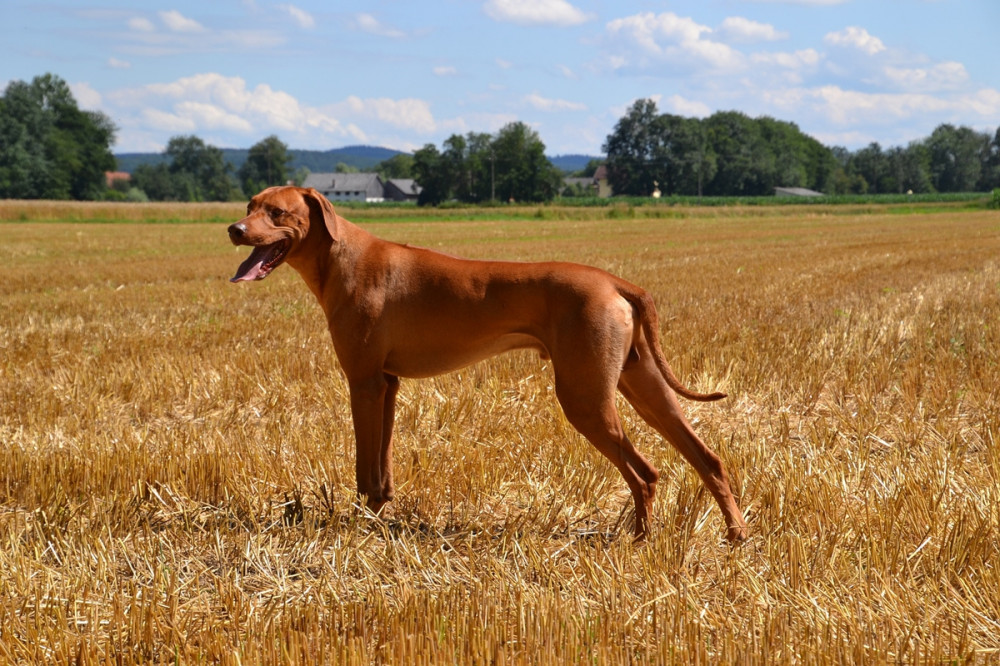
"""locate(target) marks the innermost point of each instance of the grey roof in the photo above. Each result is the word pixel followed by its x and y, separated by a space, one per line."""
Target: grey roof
pixel 331 183
pixel 796 192
pixel 407 185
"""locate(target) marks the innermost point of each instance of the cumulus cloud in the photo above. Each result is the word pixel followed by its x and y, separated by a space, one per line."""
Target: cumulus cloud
pixel 371 25
pixel 85 95
pixel 739 29
pixel 410 113
pixel 796 60
pixel 943 76
pixel 115 63
pixel 857 38
pixel 300 16
pixel 177 22
pixel 667 38
pixel 445 70
pixel 535 12
pixel 545 104
pixel 211 102
pixel 685 107
pixel 141 24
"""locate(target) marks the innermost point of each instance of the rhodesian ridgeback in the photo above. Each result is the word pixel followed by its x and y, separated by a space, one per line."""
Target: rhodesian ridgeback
pixel 399 311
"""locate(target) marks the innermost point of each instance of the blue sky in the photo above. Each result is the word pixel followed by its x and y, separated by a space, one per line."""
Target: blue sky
pixel 402 74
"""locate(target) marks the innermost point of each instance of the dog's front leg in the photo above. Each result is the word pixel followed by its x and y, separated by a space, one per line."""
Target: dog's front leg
pixel 373 406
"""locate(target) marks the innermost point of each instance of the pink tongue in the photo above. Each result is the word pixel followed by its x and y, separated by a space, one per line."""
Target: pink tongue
pixel 250 269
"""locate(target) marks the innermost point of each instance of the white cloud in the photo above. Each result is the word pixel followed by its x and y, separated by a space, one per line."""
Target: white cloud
pixel 371 25
pixel 545 104
pixel 503 64
pixel 669 39
pixel 177 22
pixel 686 107
pixel 213 117
pixel 566 71
pixel 535 12
pixel 476 122
pixel 214 105
pixel 856 37
pixel 115 63
pixel 141 24
pixel 166 122
pixel 986 103
pixel 445 70
pixel 410 113
pixel 797 60
pixel 739 29
pixel 85 95
pixel 944 76
pixel 300 16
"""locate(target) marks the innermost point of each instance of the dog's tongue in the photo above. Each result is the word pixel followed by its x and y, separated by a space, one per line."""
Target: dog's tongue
pixel 250 269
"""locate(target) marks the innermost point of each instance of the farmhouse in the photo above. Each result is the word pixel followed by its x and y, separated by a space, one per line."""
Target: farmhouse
pixel 367 187
pixel 402 189
pixel 348 186
pixel 601 181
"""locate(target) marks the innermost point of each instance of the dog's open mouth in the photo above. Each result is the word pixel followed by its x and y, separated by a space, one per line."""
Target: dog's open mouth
pixel 263 260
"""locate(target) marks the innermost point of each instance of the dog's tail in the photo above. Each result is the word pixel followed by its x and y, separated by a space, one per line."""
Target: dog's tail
pixel 650 322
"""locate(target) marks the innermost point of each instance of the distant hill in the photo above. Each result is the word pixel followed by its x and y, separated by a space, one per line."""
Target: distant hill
pixel 362 158
pixel 571 163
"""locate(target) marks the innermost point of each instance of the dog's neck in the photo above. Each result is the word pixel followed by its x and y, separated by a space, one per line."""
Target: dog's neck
pixel 329 267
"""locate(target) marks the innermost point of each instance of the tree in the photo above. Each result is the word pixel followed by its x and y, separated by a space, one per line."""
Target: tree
pixel 52 149
pixel 734 138
pixel 434 181
pixel 479 167
pixel 266 164
pixel 397 166
pixel 522 172
pixel 990 177
pixel 194 171
pixel 955 158
pixel 871 164
pixel 200 172
pixel 589 170
pixel 630 148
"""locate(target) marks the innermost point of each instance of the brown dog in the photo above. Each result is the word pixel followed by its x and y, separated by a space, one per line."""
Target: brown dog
pixel 398 311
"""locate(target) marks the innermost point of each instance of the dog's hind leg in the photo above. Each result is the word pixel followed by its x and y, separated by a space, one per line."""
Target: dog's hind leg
pixel 644 386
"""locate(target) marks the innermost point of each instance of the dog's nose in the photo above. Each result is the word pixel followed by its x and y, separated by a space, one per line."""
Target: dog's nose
pixel 237 232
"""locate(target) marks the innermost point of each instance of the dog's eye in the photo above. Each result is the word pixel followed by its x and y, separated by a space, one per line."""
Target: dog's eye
pixel 277 212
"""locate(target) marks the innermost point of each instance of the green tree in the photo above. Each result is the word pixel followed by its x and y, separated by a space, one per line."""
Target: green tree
pixel 434 180
pixel 194 171
pixel 266 165
pixel 990 177
pixel 522 172
pixel 478 167
pixel 397 166
pixel 734 139
pixel 589 170
pixel 630 148
pixel 52 149
pixel 199 170
pixel 955 158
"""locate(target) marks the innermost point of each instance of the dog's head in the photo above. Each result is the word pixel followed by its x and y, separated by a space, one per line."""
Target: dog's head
pixel 277 224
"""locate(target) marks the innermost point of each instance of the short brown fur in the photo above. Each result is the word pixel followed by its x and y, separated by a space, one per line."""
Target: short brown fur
pixel 397 311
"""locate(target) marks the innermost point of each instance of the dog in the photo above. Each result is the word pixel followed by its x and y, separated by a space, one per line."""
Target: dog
pixel 398 311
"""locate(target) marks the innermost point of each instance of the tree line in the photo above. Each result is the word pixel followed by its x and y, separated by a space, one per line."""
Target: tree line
pixel 729 153
pixel 50 149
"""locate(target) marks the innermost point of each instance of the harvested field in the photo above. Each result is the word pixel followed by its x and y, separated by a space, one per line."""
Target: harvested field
pixel 177 470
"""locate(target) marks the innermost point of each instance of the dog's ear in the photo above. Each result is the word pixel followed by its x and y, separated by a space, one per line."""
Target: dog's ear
pixel 321 213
